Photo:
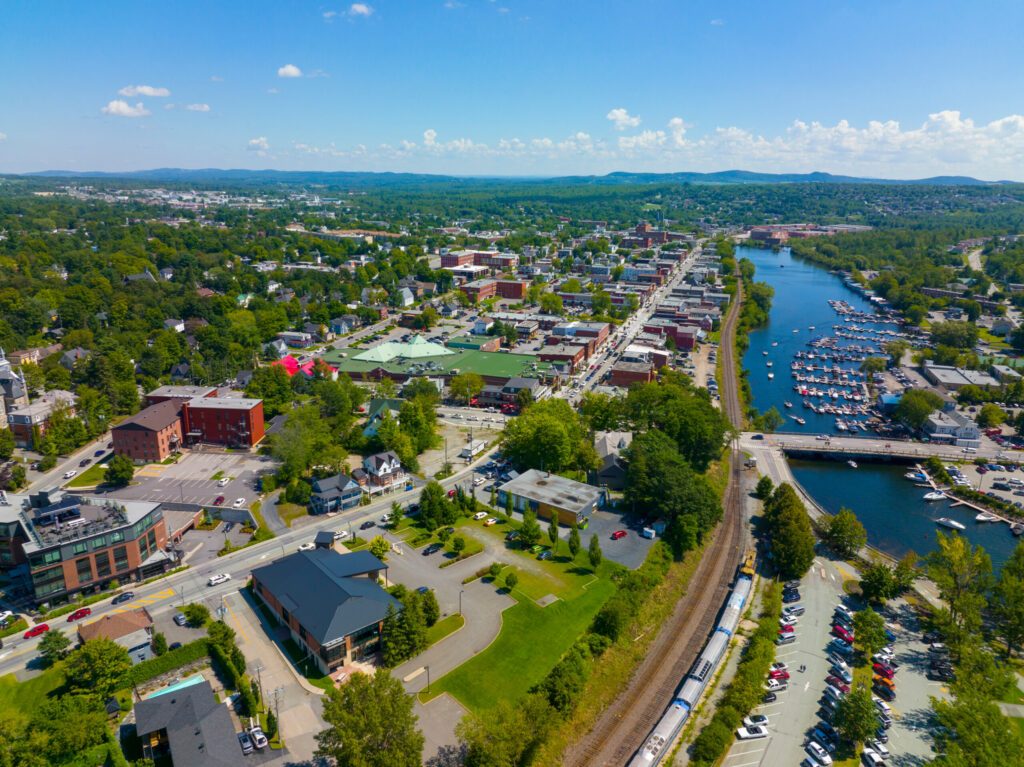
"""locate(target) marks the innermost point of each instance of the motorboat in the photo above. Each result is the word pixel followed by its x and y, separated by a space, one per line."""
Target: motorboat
pixel 775 343
pixel 950 523
pixel 765 353
pixel 788 404
pixel 771 376
pixel 852 464
pixel 915 476
pixel 986 516
pixel 769 363
pixel 935 495
pixel 801 421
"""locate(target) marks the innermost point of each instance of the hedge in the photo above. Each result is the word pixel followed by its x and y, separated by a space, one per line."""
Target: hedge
pixel 117 758
pixel 16 627
pixel 172 659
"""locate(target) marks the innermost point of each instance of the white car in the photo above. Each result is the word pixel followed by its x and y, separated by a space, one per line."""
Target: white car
pixel 216 580
pixel 239 503
pixel 819 753
pixel 5 616
pixel 70 474
pixel 755 720
pixel 477 481
pixel 307 546
pixel 788 620
pixel 779 666
pixel 341 535
pixel 258 738
pixel 775 685
pixel 751 733
pixel 490 521
pixel 223 481
pixel 480 515
pixel 879 748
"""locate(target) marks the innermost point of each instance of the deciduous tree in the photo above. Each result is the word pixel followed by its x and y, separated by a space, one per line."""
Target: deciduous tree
pixel 844 533
pixel 98 667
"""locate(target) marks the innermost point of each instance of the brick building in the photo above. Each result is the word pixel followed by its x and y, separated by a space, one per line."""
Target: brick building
pixel 233 422
pixel 514 289
pixel 628 373
pixel 480 290
pixel 152 434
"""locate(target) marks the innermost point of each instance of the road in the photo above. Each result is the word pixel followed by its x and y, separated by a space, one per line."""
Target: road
pixel 879 446
pixel 190 586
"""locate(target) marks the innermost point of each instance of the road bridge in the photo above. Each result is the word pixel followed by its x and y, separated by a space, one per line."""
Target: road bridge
pixel 870 448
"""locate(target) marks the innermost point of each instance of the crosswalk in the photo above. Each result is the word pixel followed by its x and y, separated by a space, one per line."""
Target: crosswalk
pixel 135 604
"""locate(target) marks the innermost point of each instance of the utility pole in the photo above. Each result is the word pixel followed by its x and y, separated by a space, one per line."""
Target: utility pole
pixel 259 679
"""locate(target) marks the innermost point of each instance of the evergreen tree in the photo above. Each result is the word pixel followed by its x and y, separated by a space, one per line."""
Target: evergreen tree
pixel 553 532
pixel 594 552
pixel 574 540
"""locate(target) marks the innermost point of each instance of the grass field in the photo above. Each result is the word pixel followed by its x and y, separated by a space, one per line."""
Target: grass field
pixel 444 627
pixel 531 641
pixel 91 477
pixel 289 512
pixel 23 698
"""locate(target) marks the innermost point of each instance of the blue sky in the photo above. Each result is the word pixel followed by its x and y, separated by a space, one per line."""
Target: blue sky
pixel 885 88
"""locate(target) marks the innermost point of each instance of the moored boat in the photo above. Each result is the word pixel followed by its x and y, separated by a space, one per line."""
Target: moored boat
pixel 852 464
pixel 950 523
pixel 986 516
pixel 935 495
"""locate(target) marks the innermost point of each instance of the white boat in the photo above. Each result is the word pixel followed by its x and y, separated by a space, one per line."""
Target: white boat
pixel 801 421
pixel 986 517
pixel 852 464
pixel 769 363
pixel 950 523
pixel 935 495
pixel 915 476
pixel 775 343
pixel 788 404
pixel 765 353
pixel 771 376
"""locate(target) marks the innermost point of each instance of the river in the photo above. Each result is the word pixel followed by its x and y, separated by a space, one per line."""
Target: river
pixel 890 507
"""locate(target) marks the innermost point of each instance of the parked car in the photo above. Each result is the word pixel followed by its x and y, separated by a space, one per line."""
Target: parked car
pixel 883 671
pixel 127 596
pixel 790 596
pixel 838 683
pixel 5 616
pixel 755 720
pixel 751 733
pixel 618 534
pixel 37 630
pixel 769 697
pixel 779 666
pixel 788 620
pixel 245 742
pixel 432 549
pixel 490 521
pixel 218 501
pixel 258 738
pixel 818 752
pixel 793 610
pixel 842 633
pixel 239 503
pixel 480 515
pixel 82 612
pixel 180 619
pixel 216 580
pixel 778 674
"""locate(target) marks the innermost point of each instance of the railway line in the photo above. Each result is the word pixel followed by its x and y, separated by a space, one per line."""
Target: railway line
pixel 622 728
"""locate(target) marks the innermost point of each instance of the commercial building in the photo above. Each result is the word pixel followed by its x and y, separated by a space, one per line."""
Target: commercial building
pixel 480 290
pixel 571 356
pixel 626 374
pixel 513 289
pixel 77 543
pixel 548 494
pixel 185 725
pixel 596 330
pixel 232 422
pixel 330 602
pixel 164 393
pixel 152 434
pixel 954 428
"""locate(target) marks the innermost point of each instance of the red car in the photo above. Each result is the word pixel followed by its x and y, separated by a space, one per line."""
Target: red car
pixel 36 630
pixel 786 630
pixel 883 671
pixel 838 683
pixel 219 500
pixel 451 493
pixel 842 633
pixel 77 615
pixel 618 534
pixel 778 674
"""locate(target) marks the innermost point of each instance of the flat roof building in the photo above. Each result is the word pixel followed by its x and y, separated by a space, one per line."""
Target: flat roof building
pixel 548 494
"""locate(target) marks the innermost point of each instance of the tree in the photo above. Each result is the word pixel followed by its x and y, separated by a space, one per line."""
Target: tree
pixel 764 488
pixel 1008 600
pixel 506 735
pixel 529 530
pixel 877 583
pixel 869 629
pixel 856 719
pixel 963 575
pixel 551 436
pixel 54 647
pixel 511 580
pixel 197 614
pixel 379 547
pixel 574 540
pixel 553 531
pixel 895 350
pixel 370 723
pixel 915 406
pixel 844 533
pixel 594 552
pixel 465 386
pixel 120 471
pixel 6 443
pixel 872 365
pixel 551 303
pixel 458 544
pixel 434 506
pixel 98 667
pixel 159 643
pixel 789 530
pixel 990 415
pixel 431 609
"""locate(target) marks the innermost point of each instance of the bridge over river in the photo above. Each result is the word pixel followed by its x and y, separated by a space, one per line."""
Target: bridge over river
pixel 870 448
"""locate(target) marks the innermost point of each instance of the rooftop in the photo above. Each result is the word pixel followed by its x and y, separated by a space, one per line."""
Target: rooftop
pixel 155 417
pixel 223 403
pixel 182 392
pixel 493 364
pixel 417 348
pixel 198 726
pixel 116 625
pixel 554 490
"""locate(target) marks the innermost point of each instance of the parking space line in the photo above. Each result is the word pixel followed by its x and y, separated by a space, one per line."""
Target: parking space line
pixel 747 764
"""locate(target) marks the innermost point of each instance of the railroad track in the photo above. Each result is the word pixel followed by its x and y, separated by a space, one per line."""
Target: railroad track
pixel 624 725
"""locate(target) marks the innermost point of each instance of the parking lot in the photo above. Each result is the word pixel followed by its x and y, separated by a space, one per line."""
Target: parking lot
pixel 795 712
pixel 190 480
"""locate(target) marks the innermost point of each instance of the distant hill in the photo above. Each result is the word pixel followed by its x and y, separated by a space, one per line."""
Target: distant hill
pixel 371 180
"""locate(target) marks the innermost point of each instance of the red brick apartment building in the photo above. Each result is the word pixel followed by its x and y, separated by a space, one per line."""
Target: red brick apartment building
pixel 514 289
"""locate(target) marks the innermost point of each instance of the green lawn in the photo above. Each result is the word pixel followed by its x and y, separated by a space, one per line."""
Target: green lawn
pixel 289 512
pixel 444 627
pixel 1015 695
pixel 25 697
pixel 91 477
pixel 531 641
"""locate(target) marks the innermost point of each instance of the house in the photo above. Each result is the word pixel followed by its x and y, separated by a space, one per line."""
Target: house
pixel 344 324
pixel 384 470
pixel 181 372
pixel 1003 326
pixel 510 391
pixel 178 326
pixel 376 411
pixel 71 356
pixel 331 603
pixel 277 346
pixel 319 332
pixel 333 493
pixel 610 445
pixel 132 629
pixel 297 339
pixel 167 274
pixel 549 494
pixel 27 422
pixel 188 724
pixel 405 297
pixel 140 277
pixel 953 428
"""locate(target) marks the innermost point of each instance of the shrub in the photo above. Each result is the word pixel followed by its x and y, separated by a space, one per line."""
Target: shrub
pixel 170 660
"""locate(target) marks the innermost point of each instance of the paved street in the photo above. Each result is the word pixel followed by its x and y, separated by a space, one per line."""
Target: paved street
pixel 880 446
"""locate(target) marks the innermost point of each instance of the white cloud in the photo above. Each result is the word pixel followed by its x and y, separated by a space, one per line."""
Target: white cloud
pixel 169 107
pixel 677 127
pixel 216 79
pixel 647 140
pixel 197 107
pixel 328 15
pixel 718 22
pixel 144 90
pixel 3 136
pixel 622 119
pixel 120 108
pixel 360 9
pixel 429 137
pixel 259 145
pixel 273 91
pixel 289 70
pixel 451 5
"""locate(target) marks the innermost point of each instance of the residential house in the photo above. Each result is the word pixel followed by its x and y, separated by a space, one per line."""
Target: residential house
pixel 178 326
pixel 384 470
pixel 71 356
pixel 132 630
pixel 185 725
pixel 376 411
pixel 610 446
pixel 332 493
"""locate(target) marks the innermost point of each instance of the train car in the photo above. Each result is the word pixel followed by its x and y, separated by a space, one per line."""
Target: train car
pixel 697 680
pixel 664 733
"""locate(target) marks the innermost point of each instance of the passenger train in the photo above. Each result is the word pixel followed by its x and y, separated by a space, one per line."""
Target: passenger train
pixel 689 694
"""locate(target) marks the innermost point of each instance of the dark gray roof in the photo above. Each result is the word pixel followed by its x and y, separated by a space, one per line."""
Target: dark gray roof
pixel 199 729
pixel 155 417
pixel 321 590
